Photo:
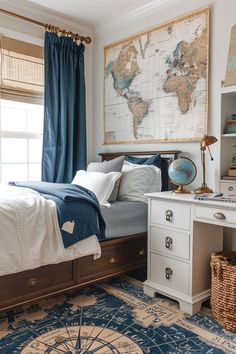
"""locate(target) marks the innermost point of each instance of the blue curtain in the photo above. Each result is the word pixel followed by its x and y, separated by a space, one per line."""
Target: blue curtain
pixel 64 136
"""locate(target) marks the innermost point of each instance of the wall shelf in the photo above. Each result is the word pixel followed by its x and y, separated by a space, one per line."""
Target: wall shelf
pixel 229 135
pixel 229 90
pixel 227 180
pixel 227 141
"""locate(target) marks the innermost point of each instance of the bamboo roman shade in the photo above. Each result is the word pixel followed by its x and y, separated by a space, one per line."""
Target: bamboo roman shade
pixel 21 71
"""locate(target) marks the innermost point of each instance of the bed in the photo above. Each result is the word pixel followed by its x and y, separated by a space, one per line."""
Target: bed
pixel 120 255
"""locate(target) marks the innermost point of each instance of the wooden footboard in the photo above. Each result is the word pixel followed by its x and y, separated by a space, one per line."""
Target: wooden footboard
pixel 119 256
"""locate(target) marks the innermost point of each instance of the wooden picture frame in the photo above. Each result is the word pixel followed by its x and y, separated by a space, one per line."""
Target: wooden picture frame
pixel 156 83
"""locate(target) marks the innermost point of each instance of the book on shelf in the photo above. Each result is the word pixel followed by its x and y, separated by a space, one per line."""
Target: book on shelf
pixel 231 178
pixel 231 122
pixel 232 172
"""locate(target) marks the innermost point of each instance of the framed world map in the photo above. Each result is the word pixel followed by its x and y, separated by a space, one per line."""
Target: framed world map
pixel 156 83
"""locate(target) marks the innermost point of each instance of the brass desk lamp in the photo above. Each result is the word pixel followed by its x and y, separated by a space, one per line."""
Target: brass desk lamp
pixel 205 142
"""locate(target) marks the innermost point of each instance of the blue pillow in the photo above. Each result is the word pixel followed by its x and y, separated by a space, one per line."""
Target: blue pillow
pixel 153 160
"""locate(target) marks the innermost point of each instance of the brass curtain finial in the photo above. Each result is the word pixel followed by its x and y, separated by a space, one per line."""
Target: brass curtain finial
pixel 63 32
pixel 50 28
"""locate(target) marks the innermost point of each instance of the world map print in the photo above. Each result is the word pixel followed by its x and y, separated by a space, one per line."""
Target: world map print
pixel 156 83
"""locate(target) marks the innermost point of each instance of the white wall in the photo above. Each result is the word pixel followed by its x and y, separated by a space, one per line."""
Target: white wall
pixel 222 17
pixel 25 31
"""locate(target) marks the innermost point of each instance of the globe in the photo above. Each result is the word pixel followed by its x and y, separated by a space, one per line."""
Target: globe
pixel 181 172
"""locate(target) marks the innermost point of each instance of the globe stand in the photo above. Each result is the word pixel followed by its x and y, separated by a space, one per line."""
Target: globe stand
pixel 180 190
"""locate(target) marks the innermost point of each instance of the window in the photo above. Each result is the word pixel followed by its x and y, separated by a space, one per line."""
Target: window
pixel 21 127
pixel 21 110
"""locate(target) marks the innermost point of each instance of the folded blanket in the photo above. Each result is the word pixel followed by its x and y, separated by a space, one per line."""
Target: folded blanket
pixel 78 210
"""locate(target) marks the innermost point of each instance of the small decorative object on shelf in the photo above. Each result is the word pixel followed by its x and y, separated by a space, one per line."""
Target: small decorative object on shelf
pixel 232 169
pixel 230 127
pixel 233 159
pixel 232 172
pixel 205 142
pixel 182 172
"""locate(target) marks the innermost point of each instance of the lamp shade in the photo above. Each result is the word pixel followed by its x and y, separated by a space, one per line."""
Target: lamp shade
pixel 207 140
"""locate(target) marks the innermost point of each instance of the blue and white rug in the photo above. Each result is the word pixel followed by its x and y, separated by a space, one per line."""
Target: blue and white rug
pixel 110 318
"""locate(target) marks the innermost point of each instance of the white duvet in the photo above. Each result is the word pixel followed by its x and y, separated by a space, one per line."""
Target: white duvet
pixel 29 232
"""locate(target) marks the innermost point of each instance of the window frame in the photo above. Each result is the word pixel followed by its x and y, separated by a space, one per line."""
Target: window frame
pixel 8 134
pixel 18 94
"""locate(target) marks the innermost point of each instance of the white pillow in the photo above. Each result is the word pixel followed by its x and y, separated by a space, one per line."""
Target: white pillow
pixel 101 184
pixel 138 180
pixel 114 165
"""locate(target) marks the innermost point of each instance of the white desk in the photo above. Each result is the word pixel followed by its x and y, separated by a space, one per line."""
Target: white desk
pixel 182 234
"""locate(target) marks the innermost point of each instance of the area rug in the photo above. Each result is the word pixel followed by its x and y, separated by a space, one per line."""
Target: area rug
pixel 110 318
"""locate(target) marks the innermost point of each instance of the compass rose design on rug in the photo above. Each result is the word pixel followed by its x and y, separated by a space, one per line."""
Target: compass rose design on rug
pixel 83 339
pixel 114 317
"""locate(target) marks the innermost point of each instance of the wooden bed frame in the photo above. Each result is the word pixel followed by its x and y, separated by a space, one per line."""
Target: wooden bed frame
pixel 119 256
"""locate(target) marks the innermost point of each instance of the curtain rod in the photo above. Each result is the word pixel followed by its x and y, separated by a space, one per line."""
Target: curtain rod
pixel 50 28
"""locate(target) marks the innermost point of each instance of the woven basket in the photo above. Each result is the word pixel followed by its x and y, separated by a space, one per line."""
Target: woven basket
pixel 223 289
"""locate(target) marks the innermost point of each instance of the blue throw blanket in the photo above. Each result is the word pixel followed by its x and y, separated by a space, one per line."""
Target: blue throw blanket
pixel 78 210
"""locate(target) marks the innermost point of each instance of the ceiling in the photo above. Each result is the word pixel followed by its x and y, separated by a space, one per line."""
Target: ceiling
pixel 97 12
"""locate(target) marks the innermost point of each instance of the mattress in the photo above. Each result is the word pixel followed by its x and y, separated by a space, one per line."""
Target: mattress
pixel 125 218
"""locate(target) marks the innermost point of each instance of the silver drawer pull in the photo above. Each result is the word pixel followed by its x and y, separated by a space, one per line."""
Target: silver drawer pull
pixel 112 260
pixel 230 188
pixel 169 214
pixel 141 252
pixel 219 216
pixel 168 242
pixel 168 272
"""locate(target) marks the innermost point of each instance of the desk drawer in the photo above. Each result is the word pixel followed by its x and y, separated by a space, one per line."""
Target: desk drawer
pixel 228 188
pixel 218 215
pixel 178 280
pixel 170 242
pixel 180 214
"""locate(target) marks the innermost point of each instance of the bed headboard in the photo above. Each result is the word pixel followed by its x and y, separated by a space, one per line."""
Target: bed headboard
pixel 167 157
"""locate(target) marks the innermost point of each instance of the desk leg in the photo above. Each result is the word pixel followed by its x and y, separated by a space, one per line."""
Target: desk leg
pixel 184 306
pixel 148 290
pixel 190 308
